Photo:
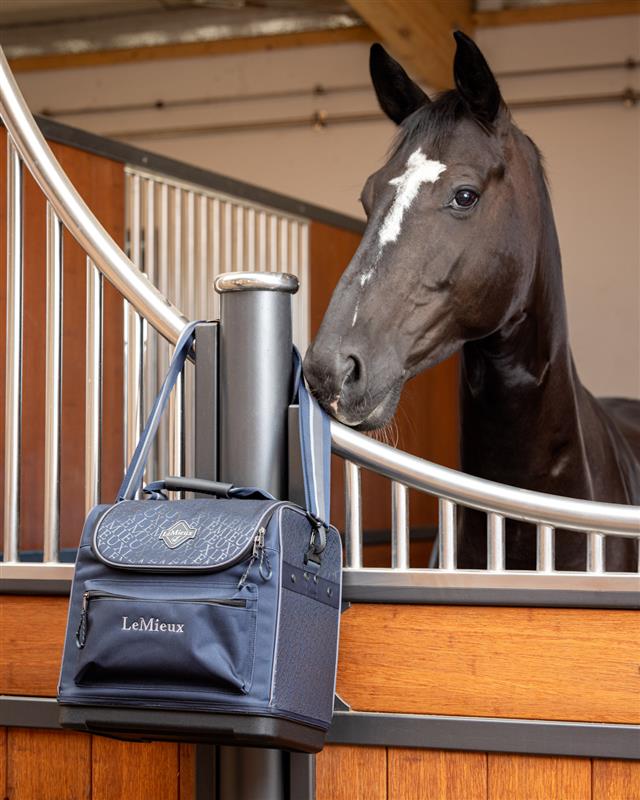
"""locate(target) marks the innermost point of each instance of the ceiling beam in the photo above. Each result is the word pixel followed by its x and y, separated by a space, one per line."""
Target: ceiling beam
pixel 559 12
pixel 192 49
pixel 419 34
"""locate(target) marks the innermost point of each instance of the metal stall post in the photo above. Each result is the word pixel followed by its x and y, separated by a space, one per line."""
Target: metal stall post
pixel 254 391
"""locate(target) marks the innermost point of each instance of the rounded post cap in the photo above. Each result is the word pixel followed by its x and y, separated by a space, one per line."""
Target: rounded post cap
pixel 256 281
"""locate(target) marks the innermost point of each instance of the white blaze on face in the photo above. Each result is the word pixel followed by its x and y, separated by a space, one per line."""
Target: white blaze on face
pixel 419 170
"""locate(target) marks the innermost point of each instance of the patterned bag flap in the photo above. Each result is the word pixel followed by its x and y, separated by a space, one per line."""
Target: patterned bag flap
pixel 179 535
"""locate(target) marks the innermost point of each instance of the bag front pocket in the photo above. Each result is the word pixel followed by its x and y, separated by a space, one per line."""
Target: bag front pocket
pixel 198 642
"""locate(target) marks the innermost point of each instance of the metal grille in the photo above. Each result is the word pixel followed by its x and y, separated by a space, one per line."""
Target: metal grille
pixel 182 236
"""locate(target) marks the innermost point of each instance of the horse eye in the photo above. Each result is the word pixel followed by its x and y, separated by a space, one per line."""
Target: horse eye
pixel 465 199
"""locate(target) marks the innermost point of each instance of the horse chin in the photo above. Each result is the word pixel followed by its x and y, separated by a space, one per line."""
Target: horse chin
pixel 378 417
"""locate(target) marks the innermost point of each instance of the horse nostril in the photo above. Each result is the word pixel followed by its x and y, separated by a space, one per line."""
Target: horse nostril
pixel 354 371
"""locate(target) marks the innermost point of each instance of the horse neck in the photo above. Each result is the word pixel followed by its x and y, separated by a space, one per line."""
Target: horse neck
pixel 519 385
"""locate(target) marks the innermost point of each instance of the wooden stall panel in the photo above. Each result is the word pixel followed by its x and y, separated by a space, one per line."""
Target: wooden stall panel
pixel 33 630
pixel 532 663
pixel 135 771
pixel 436 774
pixel 187 763
pixel 615 780
pixel 48 765
pixel 513 777
pixel 3 762
pixel 351 773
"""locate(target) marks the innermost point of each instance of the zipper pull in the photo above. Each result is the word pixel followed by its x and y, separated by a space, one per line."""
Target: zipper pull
pixel 81 633
pixel 265 565
pixel 258 552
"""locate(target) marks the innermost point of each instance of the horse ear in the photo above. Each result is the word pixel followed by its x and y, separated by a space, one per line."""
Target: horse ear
pixel 397 94
pixel 474 79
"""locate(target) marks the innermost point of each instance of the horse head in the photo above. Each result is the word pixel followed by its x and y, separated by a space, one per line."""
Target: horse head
pixel 448 254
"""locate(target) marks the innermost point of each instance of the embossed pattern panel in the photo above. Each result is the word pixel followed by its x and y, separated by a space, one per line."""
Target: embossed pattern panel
pixel 138 533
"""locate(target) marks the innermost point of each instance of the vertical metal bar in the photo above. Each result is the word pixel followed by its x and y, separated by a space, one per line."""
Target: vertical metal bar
pixel 255 350
pixel 446 534
pixel 53 389
pixel 203 260
pixel 215 255
pixel 150 340
pixel 176 265
pixel 228 238
pixel 273 243
pixel 545 557
pixel 399 526
pixel 176 428
pixel 93 391
pixel 251 240
pixel 353 515
pixel 239 259
pixel 284 245
pixel 303 301
pixel 189 306
pixel 495 542
pixel 262 241
pixel 162 449
pixel 188 437
pixel 13 373
pixel 596 552
pixel 133 393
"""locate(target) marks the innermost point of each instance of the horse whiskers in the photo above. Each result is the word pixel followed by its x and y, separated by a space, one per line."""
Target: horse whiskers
pixel 388 434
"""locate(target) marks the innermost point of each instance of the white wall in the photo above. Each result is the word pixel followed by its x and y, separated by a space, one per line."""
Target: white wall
pixel 592 152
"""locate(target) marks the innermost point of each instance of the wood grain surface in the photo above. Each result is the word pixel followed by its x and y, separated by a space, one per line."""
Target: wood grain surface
pixel 515 777
pixel 48 765
pixel 436 774
pixel 187 763
pixel 135 771
pixel 615 780
pixel 564 664
pixel 3 762
pixel 345 772
pixel 33 630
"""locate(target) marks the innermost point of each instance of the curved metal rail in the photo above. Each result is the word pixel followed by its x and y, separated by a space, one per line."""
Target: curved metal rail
pixel 488 496
pixel 76 215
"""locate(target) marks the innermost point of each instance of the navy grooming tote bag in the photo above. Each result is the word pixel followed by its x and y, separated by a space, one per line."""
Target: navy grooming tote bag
pixel 207 620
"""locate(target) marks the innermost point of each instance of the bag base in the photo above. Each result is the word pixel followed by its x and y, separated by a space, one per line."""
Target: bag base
pixel 241 730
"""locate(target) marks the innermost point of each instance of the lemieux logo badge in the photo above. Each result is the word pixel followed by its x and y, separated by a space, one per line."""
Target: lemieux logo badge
pixel 179 533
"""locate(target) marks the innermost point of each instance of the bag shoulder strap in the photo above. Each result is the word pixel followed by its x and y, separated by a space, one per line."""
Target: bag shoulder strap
pixel 132 480
pixel 315 438
pixel 315 448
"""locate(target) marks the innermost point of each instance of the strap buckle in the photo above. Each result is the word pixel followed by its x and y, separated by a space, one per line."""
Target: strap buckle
pixel 317 540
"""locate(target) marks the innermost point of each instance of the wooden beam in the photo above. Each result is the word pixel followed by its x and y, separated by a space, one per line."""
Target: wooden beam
pixel 192 49
pixel 419 34
pixel 560 12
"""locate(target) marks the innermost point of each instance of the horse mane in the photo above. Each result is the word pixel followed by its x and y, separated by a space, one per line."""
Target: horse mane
pixel 435 121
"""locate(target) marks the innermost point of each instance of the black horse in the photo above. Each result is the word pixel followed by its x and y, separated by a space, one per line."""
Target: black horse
pixel 461 252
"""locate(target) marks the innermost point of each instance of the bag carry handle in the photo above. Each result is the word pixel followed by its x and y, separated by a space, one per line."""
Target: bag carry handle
pixel 173 483
pixel 315 441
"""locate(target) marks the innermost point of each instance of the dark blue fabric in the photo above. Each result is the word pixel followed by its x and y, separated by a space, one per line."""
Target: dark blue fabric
pixel 183 604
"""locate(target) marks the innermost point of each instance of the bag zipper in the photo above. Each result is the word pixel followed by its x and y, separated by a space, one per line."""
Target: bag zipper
pixel 81 633
pixel 258 553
